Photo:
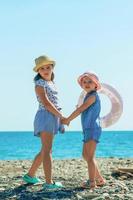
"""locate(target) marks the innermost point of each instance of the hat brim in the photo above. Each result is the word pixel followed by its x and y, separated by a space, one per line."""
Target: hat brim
pixel 90 77
pixel 37 67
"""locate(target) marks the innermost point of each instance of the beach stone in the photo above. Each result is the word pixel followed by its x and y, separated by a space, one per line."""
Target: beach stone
pixel 3 185
pixel 2 189
pixel 117 190
pixel 90 196
pixel 106 195
pixel 118 196
pixel 124 177
pixel 3 177
pixel 108 177
pixel 129 196
pixel 14 196
pixel 79 197
pixel 99 198
pixel 111 191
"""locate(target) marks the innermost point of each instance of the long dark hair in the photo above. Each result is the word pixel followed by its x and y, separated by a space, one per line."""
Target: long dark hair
pixel 38 76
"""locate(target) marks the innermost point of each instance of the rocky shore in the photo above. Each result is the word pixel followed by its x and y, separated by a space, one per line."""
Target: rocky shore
pixel 71 173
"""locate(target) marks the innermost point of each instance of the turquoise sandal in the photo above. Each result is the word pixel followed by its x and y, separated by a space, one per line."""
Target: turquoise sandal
pixel 54 185
pixel 29 179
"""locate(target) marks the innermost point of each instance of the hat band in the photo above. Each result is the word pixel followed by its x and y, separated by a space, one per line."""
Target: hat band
pixel 38 66
pixel 92 78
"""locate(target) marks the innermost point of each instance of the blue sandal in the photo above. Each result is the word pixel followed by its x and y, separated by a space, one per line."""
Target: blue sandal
pixel 54 185
pixel 29 179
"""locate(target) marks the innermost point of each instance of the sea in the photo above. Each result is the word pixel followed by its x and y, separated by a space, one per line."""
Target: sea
pixel 24 145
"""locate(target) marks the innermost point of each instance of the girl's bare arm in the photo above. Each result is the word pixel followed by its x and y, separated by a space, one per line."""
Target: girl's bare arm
pixel 45 101
pixel 83 107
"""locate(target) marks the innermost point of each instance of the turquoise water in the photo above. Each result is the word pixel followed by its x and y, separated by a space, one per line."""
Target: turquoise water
pixel 23 145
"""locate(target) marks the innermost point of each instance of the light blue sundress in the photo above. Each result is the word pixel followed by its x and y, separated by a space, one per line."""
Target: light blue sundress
pixel 44 120
pixel 90 119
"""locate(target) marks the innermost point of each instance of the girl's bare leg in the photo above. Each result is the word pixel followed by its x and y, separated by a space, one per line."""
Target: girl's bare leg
pixel 98 176
pixel 47 139
pixel 90 148
pixel 35 165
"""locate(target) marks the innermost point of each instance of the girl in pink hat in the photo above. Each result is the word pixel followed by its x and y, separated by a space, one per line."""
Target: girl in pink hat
pixel 89 110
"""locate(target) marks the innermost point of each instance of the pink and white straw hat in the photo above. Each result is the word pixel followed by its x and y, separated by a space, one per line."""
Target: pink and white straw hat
pixel 91 76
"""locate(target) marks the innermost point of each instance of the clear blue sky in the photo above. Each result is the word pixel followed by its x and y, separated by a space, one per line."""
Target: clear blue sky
pixel 79 35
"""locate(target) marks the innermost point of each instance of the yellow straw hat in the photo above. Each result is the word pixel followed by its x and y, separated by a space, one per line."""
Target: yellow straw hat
pixel 41 61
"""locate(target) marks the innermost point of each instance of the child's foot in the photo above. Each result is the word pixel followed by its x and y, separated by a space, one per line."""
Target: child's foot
pixel 29 179
pixel 89 184
pixel 54 185
pixel 100 182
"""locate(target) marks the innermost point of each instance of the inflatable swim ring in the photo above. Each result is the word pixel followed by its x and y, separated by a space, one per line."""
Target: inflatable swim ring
pixel 116 105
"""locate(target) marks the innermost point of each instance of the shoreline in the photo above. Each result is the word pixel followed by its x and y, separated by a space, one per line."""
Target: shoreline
pixel 71 172
pixel 73 158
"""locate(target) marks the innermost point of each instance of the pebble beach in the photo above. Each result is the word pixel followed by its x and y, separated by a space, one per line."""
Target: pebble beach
pixel 71 172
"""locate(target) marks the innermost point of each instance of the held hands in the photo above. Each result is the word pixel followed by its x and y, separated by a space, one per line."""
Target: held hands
pixel 62 128
pixel 65 121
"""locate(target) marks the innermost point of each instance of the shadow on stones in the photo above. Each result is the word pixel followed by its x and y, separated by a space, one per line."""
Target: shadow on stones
pixel 21 193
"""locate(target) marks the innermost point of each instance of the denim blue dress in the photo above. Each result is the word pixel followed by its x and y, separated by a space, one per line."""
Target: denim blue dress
pixel 44 120
pixel 90 119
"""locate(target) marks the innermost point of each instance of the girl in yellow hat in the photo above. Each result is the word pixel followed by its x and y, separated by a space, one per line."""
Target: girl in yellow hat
pixel 47 120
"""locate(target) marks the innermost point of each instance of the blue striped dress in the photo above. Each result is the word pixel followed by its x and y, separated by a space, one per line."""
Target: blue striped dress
pixel 44 120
